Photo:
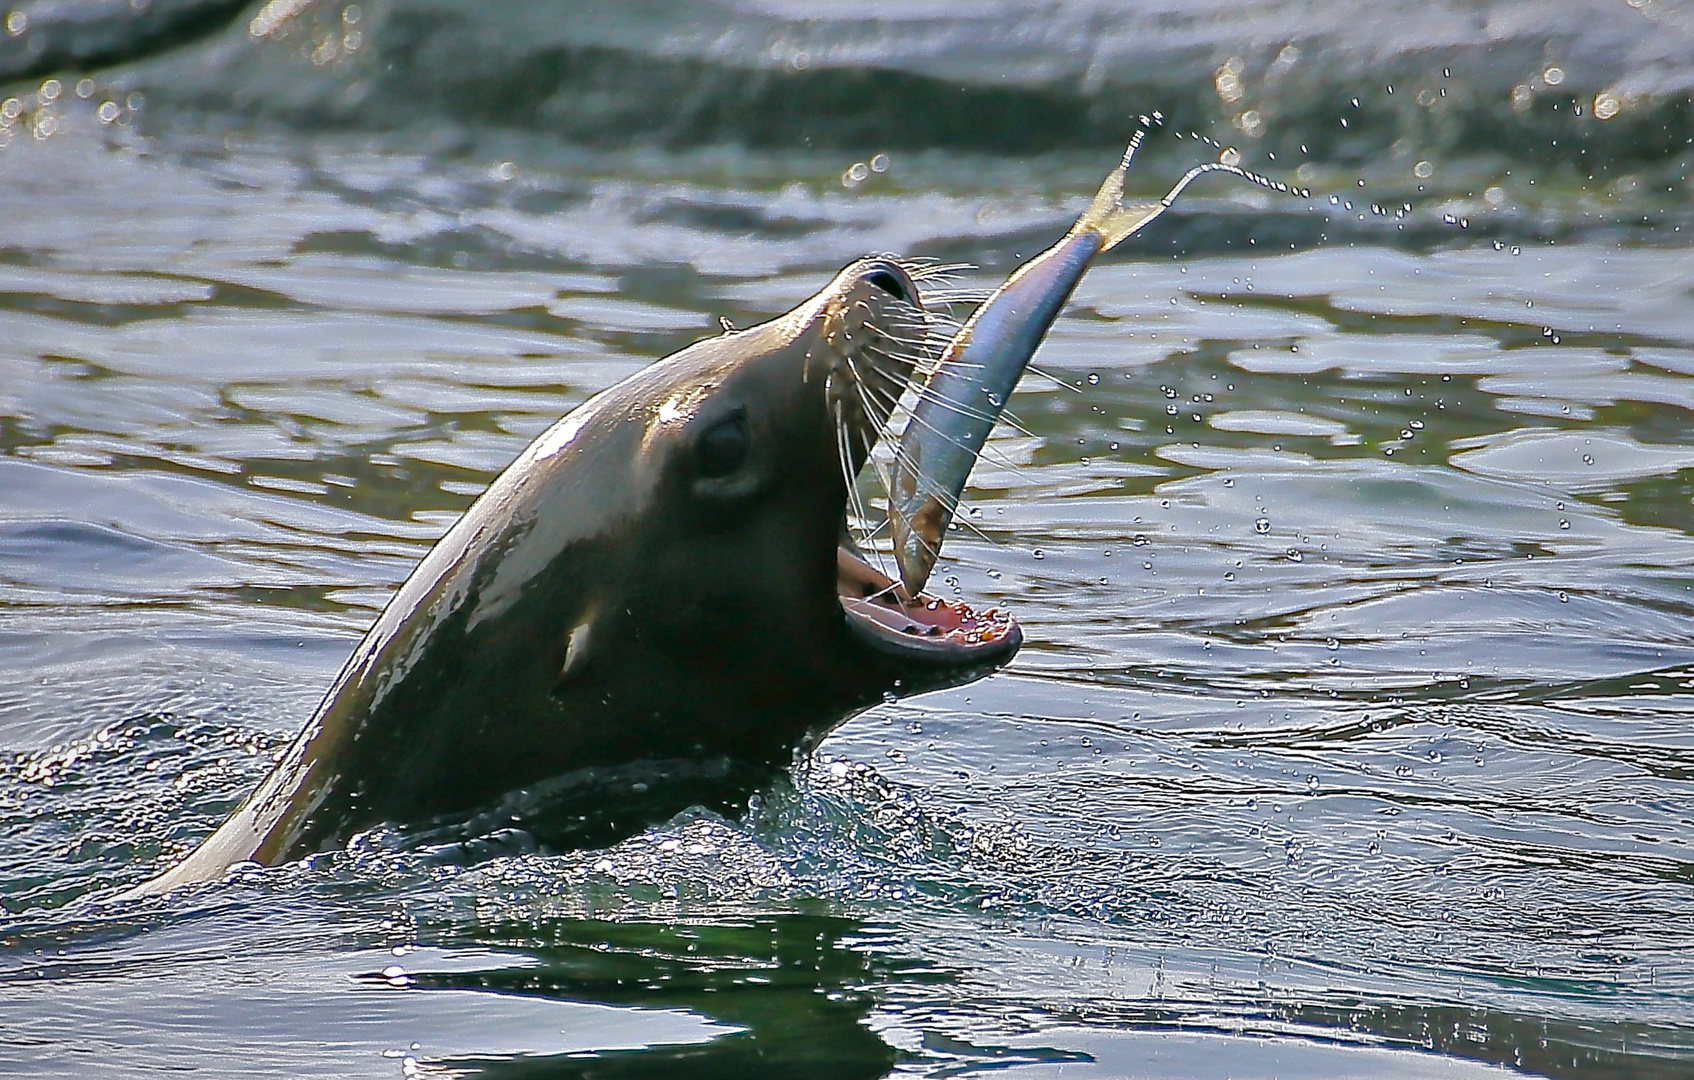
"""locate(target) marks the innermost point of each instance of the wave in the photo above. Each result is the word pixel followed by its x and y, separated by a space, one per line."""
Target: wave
pixel 1597 89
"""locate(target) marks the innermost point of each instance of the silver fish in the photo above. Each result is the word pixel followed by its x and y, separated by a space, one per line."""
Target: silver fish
pixel 967 390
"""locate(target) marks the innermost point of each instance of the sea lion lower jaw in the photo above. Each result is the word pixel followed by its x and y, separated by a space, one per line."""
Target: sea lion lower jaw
pixel 657 578
pixel 923 631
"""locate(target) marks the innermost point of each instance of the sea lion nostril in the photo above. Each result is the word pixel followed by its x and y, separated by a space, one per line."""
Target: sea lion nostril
pixel 889 283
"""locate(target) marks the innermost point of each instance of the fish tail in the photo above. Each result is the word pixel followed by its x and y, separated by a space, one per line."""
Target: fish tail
pixel 1108 215
pixel 1116 221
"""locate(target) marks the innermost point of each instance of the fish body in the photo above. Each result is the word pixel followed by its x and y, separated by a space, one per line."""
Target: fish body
pixel 967 389
pixel 965 396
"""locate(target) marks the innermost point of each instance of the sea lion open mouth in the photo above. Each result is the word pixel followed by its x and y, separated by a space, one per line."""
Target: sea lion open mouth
pixel 884 345
pixel 879 610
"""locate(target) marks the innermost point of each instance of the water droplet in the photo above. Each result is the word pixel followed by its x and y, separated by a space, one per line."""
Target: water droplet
pixel 1262 526
pixel 1331 644
pixel 1039 554
pixel 1563 524
pixel 1093 379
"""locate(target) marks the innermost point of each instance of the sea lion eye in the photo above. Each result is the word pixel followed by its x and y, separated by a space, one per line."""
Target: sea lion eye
pixel 889 284
pixel 722 448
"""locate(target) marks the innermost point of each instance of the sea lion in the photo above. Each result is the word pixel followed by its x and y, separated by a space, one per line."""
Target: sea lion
pixel 655 599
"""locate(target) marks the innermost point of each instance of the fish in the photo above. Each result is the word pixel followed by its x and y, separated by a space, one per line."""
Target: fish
pixel 963 395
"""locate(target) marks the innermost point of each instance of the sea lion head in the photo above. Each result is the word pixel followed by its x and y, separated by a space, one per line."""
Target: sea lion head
pixel 749 446
pixel 683 537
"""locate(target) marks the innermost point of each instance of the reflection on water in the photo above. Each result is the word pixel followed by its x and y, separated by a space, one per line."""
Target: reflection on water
pixel 1355 552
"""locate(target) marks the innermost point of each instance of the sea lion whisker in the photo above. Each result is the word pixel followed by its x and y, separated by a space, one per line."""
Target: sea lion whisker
pixel 899 346
pixel 856 510
pixel 949 297
pixel 977 453
pixel 943 324
pixel 939 301
pixel 909 366
pixel 851 462
pixel 1050 377
pixel 1005 414
pixel 941 273
pixel 958 408
pixel 908 353
pixel 1015 422
pixel 900 356
pixel 913 325
pixel 870 406
pixel 949 503
pixel 844 456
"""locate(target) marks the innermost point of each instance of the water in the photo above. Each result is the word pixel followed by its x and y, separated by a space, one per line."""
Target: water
pixel 1352 546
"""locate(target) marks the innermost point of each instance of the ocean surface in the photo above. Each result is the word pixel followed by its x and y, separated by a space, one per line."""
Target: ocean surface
pixel 1352 536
